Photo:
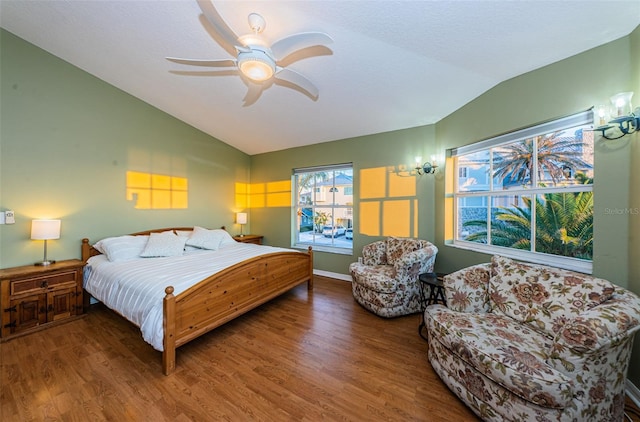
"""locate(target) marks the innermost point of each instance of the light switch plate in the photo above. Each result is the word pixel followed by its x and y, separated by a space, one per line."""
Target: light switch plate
pixel 9 217
pixel 1 217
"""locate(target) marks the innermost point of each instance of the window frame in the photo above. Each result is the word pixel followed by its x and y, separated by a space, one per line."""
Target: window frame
pixel 314 191
pixel 585 118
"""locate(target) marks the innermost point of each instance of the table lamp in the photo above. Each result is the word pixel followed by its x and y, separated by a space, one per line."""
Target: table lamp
pixel 45 230
pixel 241 218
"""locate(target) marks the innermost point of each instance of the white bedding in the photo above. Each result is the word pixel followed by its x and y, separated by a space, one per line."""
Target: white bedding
pixel 135 288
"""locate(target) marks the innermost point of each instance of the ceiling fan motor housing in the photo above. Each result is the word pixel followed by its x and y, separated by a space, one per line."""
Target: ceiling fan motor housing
pixel 257 64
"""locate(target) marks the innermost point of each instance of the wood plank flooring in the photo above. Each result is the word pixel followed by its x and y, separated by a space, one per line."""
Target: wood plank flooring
pixel 302 357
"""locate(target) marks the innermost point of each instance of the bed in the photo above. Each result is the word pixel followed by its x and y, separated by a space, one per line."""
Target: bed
pixel 189 294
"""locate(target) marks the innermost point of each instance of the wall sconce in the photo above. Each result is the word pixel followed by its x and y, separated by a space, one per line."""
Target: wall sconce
pixel 45 230
pixel 241 218
pixel 426 168
pixel 624 121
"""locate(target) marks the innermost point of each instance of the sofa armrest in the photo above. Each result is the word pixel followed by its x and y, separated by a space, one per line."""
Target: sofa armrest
pixel 467 290
pixel 412 264
pixel 601 326
pixel 375 253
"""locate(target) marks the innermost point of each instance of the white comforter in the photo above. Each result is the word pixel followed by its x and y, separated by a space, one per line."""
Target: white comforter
pixel 135 288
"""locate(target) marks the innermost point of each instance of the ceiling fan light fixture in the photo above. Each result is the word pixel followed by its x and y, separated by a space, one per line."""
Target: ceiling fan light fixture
pixel 256 65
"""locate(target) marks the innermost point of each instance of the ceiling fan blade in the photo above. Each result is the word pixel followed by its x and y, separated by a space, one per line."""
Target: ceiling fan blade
pixel 253 94
pixel 218 23
pixel 300 82
pixel 204 62
pixel 285 46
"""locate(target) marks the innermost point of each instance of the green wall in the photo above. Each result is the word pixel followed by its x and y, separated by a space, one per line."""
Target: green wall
pixel 634 198
pixel 562 88
pixel 565 87
pixel 67 140
pixel 383 154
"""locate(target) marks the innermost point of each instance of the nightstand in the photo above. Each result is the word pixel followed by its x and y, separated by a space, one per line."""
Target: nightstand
pixel 32 297
pixel 249 238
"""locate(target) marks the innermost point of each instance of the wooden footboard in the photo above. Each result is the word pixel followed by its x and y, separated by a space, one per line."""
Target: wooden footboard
pixel 225 295
pixel 229 294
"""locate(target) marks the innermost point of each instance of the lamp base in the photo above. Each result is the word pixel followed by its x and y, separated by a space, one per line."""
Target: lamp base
pixel 240 235
pixel 44 263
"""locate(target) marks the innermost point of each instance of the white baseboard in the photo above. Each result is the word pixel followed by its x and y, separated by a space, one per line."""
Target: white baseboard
pixel 345 277
pixel 633 392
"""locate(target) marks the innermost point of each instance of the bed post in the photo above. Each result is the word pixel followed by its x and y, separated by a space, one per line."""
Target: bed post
pixel 310 282
pixel 169 328
pixel 85 250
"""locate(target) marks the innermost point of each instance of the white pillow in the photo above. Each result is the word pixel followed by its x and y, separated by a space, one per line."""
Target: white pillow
pixel 209 239
pixel 164 244
pixel 122 248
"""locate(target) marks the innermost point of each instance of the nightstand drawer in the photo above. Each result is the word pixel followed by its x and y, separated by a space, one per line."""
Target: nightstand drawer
pixel 43 282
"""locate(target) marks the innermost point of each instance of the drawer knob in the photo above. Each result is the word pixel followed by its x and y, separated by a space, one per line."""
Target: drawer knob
pixel 44 284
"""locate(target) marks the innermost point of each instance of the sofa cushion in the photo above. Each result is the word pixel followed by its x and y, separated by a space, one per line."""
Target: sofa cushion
pixel 379 278
pixel 543 297
pixel 398 246
pixel 504 350
pixel 467 290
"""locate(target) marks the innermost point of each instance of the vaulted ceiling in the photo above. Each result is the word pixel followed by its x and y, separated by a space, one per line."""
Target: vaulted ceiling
pixel 392 65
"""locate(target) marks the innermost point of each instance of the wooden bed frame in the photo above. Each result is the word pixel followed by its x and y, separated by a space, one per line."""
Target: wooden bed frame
pixel 224 295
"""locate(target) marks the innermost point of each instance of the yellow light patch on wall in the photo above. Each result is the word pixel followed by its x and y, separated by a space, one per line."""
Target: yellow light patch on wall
pixel 448 218
pixel 242 196
pixel 415 218
pixel 373 183
pixel 157 191
pixel 138 180
pixel 401 186
pixel 279 194
pixel 396 218
pixel 257 192
pixel 369 218
pixel 449 182
pixel 272 194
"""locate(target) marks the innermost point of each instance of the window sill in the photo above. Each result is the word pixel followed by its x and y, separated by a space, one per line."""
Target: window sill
pixel 573 264
pixel 323 248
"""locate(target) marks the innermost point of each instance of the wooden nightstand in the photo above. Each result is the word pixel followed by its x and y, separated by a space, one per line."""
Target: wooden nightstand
pixel 249 238
pixel 32 297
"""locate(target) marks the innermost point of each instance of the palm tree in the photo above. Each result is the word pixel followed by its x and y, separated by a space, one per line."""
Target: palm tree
pixel 555 154
pixel 564 225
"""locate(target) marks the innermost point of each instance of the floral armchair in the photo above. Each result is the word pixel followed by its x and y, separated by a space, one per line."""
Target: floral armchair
pixel 386 281
pixel 523 342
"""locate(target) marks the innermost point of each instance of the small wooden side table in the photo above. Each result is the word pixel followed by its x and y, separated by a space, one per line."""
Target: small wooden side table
pixel 249 238
pixel 33 297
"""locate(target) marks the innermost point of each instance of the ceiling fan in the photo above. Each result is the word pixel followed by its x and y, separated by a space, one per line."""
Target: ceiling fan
pixel 257 62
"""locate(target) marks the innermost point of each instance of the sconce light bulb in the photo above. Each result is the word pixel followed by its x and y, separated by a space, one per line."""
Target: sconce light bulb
pixel 418 159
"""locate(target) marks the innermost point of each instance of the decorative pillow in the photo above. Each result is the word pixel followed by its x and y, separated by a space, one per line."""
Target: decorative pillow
pixel 209 239
pixel 544 297
pixel 397 246
pixel 122 248
pixel 164 244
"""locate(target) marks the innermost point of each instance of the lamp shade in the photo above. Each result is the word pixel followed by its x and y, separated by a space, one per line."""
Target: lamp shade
pixel 241 218
pixel 45 229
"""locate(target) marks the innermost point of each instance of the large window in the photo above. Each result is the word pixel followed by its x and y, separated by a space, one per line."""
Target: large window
pixel 323 208
pixel 529 194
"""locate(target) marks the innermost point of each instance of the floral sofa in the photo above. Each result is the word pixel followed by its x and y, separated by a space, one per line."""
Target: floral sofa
pixel 524 342
pixel 386 281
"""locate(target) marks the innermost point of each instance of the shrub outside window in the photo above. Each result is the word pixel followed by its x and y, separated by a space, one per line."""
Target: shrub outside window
pixel 529 194
pixel 323 208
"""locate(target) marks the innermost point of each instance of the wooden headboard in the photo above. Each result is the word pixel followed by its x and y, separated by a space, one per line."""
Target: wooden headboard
pixel 88 251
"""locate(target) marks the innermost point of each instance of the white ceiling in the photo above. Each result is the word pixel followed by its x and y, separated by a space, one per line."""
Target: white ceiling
pixel 393 64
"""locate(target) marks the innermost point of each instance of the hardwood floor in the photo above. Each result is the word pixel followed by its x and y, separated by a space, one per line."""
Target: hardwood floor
pixel 302 357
